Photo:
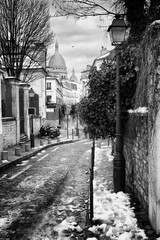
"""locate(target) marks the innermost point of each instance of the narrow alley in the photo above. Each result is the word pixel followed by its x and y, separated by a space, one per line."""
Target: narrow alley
pixel 44 190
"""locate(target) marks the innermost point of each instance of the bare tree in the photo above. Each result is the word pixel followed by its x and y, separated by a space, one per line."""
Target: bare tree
pixel 24 34
pixel 138 13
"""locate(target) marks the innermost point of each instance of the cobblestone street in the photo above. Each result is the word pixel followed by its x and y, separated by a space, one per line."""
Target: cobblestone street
pixel 42 191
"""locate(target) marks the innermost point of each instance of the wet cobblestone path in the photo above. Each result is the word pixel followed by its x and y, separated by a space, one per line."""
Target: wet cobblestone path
pixel 39 194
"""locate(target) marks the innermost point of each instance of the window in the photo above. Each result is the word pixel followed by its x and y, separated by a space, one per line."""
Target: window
pixel 48 85
pixel 49 98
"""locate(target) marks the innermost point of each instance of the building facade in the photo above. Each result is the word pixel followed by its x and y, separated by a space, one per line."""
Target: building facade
pixel 59 89
pixel 104 55
pixel 84 80
pixel 75 92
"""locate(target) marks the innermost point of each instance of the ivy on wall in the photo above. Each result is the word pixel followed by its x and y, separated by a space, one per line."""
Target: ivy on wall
pixel 147 90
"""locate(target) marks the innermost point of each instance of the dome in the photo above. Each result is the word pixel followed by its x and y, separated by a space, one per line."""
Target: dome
pixel 73 78
pixel 56 61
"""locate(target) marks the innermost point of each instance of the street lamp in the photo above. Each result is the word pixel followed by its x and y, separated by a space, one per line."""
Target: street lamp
pixel 77 127
pixel 31 95
pixel 117 31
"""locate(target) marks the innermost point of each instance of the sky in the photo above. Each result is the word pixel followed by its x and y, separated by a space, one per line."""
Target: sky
pixel 79 41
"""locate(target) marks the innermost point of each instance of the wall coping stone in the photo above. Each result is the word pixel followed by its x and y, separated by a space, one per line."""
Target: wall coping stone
pixel 7 119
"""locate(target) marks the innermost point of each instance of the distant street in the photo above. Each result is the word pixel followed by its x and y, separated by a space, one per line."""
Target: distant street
pixel 42 191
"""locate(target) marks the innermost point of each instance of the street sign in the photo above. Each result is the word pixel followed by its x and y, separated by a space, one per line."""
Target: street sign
pixel 31 110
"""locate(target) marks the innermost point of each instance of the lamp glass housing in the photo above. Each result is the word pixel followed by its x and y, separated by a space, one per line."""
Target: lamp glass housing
pixel 31 93
pixel 117 31
pixel 117 35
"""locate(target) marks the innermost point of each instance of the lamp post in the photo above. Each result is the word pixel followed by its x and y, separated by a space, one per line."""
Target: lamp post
pixel 67 126
pixel 117 32
pixel 31 95
pixel 77 128
pixel 67 113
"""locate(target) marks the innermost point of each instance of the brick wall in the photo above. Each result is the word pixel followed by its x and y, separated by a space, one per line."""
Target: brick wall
pixel 136 156
pixel 9 132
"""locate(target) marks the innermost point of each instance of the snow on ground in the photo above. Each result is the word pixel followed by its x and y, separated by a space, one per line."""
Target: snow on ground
pixel 67 224
pixel 112 210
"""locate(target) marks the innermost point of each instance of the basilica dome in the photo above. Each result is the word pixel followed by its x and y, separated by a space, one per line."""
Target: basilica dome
pixel 57 62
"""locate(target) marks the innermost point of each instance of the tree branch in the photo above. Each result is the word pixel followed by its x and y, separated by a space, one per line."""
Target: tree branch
pixel 24 23
pixel 82 8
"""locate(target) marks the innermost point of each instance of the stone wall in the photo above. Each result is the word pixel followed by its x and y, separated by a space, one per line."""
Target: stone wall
pixel 36 124
pixel 154 148
pixel 154 175
pixel 9 132
pixel 136 156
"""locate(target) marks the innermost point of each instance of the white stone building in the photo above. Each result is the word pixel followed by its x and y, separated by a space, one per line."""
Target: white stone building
pixel 38 84
pixel 59 89
pixel 75 88
pixel 104 54
pixel 84 80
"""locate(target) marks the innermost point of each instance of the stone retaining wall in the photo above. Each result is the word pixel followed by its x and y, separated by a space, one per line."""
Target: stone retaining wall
pixel 136 156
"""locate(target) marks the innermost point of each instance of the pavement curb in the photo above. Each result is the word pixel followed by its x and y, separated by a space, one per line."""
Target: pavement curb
pixel 33 153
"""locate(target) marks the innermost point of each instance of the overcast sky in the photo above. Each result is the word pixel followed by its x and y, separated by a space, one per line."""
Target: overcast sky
pixel 79 41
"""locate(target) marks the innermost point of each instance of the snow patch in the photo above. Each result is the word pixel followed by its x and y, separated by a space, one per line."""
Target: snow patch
pixel 4 176
pixel 141 110
pixel 23 163
pixel 5 161
pixel 67 224
pixel 3 222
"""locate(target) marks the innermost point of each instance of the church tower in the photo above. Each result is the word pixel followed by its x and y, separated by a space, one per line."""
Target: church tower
pixel 73 78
